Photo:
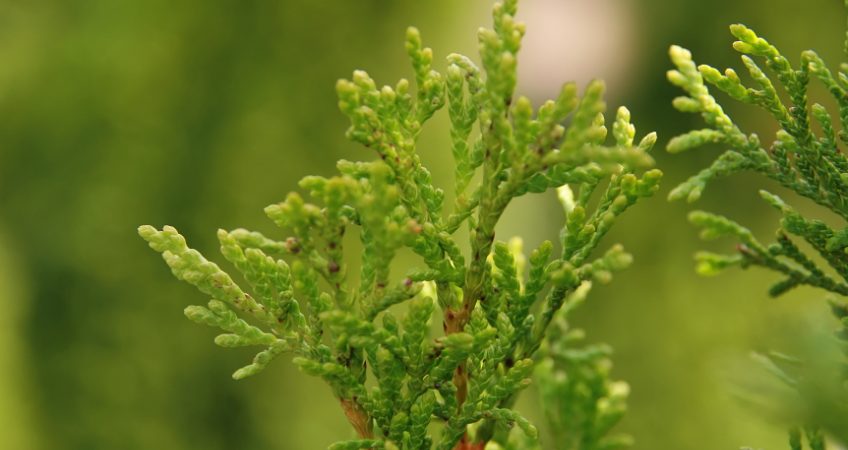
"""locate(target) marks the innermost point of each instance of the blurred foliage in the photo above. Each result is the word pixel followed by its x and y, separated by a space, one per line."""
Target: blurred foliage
pixel 804 158
pixel 15 384
pixel 217 98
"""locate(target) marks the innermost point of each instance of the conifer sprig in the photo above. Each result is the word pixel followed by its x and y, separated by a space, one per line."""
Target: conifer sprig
pixel 806 157
pixel 581 402
pixel 390 376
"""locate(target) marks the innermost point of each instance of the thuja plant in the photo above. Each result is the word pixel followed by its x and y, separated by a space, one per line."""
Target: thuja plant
pixel 368 334
pixel 806 157
pixel 580 400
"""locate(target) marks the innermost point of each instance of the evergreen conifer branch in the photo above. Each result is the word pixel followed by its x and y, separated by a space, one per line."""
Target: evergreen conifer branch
pixel 581 402
pixel 390 377
pixel 806 157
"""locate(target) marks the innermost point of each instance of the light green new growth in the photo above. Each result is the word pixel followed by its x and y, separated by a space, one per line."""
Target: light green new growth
pixel 581 403
pixel 391 378
pixel 804 157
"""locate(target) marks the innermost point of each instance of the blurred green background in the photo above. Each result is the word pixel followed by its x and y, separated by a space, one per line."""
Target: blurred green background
pixel 197 114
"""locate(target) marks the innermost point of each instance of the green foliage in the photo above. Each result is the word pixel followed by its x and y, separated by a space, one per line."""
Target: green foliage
pixel 805 157
pixel 391 378
pixel 581 403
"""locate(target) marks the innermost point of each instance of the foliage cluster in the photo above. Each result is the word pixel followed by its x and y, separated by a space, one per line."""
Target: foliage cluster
pixel 392 380
pixel 805 157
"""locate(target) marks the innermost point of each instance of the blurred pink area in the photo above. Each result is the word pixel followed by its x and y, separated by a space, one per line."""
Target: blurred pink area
pixel 575 40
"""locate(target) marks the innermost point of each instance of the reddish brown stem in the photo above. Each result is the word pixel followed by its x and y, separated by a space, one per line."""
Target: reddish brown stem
pixel 358 418
pixel 464 444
